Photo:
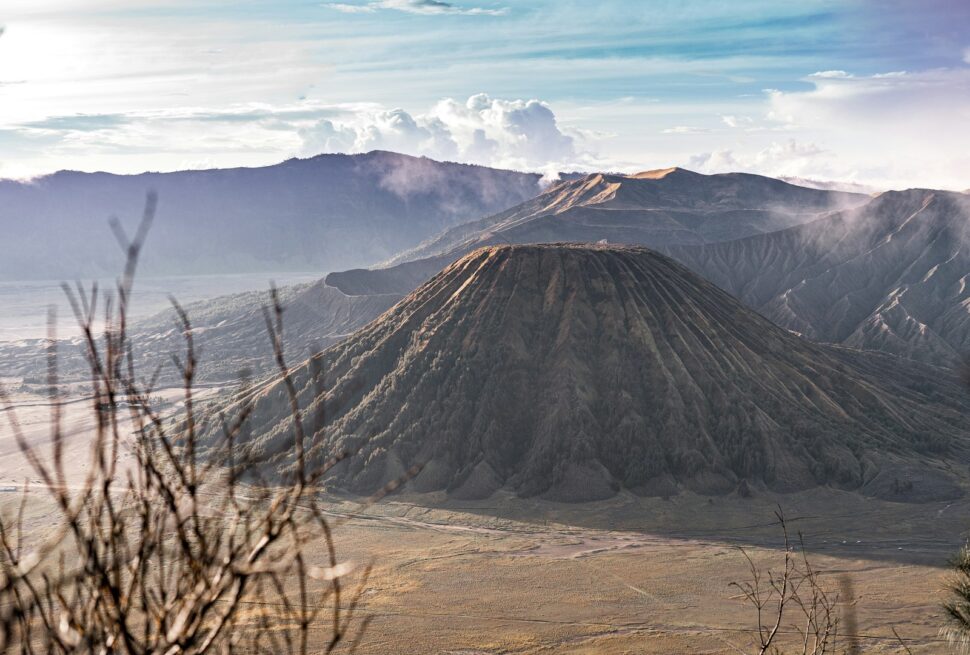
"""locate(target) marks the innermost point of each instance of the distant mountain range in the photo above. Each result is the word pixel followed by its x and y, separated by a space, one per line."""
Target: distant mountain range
pixel 890 273
pixel 321 214
pixel 652 208
pixel 704 207
pixel 667 206
pixel 575 371
pixel 571 372
pixel 656 208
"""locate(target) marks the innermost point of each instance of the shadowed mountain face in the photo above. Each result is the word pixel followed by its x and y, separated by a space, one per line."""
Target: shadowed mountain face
pixel 574 371
pixel 654 208
pixel 321 214
pixel 892 275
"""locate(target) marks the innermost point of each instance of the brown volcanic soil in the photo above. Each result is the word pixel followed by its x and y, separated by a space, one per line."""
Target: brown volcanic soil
pixel 570 372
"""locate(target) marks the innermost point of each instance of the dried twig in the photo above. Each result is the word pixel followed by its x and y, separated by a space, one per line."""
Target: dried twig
pixel 792 594
pixel 172 554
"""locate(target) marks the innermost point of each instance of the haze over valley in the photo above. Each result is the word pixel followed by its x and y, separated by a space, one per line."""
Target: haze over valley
pixel 481 327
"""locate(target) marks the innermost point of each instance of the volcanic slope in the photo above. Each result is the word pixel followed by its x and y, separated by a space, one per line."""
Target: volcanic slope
pixel 892 275
pixel 573 371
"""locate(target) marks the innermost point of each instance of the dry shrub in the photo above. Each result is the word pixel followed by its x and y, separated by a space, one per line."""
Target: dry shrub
pixel 792 605
pixel 182 548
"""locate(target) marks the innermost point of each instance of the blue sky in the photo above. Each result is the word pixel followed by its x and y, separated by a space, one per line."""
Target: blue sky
pixel 872 92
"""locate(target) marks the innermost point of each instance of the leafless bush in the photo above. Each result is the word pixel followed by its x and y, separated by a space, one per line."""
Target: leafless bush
pixel 957 606
pixel 158 548
pixel 792 602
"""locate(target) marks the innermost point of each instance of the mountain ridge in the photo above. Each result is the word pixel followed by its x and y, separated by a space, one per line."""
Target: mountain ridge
pixel 573 371
pixel 785 274
pixel 651 208
pixel 323 213
pixel 891 275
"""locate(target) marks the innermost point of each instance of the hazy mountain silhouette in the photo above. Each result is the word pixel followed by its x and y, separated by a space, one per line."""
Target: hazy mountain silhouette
pixel 572 371
pixel 229 333
pixel 324 213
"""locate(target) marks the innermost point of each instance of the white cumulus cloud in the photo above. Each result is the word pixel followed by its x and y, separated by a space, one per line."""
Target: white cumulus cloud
pixel 502 133
pixel 521 134
pixel 780 158
pixel 894 130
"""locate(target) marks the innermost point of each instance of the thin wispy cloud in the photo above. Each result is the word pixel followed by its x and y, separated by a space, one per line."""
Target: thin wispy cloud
pixel 686 129
pixel 79 122
pixel 503 133
pixel 422 7
pixel 123 89
pixel 737 121
pixel 351 9
pixel 831 75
